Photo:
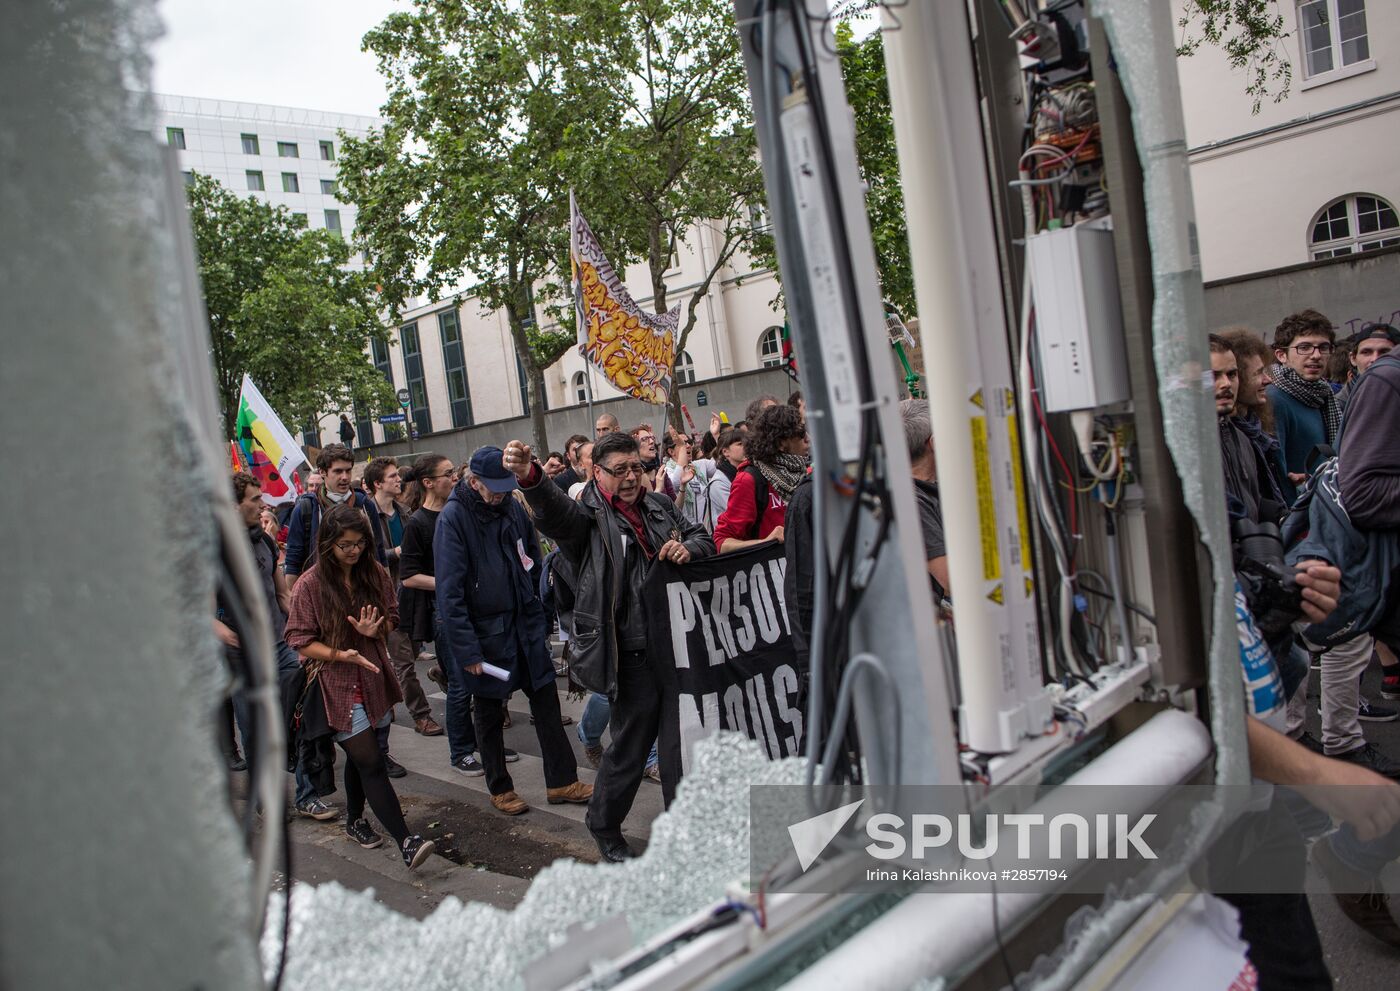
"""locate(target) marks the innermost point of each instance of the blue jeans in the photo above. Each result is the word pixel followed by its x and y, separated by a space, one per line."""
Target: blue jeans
pixel 596 713
pixel 1368 858
pixel 461 734
pixel 287 663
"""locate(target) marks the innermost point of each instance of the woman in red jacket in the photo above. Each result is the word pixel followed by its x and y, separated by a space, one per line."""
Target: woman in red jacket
pixel 778 448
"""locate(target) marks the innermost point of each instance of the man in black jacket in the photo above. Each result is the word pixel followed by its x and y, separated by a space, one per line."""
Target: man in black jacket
pixel 610 536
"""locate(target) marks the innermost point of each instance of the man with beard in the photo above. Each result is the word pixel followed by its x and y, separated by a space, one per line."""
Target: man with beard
pixel 1306 411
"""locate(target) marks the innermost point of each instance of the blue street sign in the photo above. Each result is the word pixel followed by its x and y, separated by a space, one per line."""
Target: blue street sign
pixel 393 418
pixel 701 399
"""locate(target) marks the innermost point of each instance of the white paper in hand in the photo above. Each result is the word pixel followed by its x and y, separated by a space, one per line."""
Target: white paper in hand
pixel 500 674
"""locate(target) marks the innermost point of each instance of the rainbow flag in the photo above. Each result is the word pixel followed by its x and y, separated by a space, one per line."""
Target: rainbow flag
pixel 268 449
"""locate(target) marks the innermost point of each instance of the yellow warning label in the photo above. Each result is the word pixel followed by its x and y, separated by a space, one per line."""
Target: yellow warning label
pixel 1023 520
pixel 997 595
pixel 976 399
pixel 1030 586
pixel 1008 400
pixel 986 502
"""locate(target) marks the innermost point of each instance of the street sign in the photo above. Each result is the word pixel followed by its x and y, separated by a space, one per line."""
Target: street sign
pixel 405 398
pixel 701 399
pixel 393 418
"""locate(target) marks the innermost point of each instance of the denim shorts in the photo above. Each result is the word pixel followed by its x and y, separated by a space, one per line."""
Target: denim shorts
pixel 359 722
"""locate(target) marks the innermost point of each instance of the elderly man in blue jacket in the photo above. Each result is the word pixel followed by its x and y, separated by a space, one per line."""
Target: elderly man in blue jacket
pixel 493 626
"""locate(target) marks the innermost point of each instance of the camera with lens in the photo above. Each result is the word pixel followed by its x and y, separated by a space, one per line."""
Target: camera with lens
pixel 1270 587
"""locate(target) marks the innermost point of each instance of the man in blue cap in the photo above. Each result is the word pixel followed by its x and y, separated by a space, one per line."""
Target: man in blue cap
pixel 493 625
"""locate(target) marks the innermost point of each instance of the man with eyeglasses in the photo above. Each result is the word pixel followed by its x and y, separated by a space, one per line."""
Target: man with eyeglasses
pixel 610 537
pixel 1306 412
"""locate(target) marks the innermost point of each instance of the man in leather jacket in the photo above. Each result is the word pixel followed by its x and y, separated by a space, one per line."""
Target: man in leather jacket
pixel 610 536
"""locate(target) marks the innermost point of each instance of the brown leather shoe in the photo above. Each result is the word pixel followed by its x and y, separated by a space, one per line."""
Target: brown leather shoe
pixel 578 793
pixel 510 803
pixel 427 726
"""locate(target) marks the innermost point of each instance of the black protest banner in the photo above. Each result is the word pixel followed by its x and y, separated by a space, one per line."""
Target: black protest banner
pixel 723 654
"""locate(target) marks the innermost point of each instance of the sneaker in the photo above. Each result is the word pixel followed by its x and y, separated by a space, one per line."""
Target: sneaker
pixel 510 804
pixel 577 793
pixel 393 768
pixel 1364 902
pixel 360 832
pixel 594 755
pixel 1371 713
pixel 415 850
pixel 1390 683
pixel 317 809
pixel 511 756
pixel 469 766
pixel 1369 757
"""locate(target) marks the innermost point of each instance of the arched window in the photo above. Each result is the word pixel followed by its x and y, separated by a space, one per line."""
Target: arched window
pixel 770 347
pixel 685 369
pixel 580 387
pixel 1354 223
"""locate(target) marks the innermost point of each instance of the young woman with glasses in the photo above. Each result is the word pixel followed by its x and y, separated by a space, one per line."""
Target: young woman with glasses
pixel 342 609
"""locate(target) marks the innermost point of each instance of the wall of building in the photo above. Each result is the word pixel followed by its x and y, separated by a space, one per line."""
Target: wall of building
pixel 1260 180
pixel 1349 291
pixel 731 394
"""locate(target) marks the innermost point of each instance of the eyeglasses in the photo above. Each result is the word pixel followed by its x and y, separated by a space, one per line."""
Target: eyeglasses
pixel 358 545
pixel 1307 349
pixel 455 472
pixel 623 471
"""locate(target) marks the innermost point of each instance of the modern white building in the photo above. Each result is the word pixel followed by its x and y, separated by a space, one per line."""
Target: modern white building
pixel 1311 177
pixel 281 155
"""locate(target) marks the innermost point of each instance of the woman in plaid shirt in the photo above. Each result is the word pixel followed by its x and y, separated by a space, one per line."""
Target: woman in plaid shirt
pixel 341 612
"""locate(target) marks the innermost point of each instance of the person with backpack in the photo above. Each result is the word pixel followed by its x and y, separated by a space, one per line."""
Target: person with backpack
pixel 347 432
pixel 778 449
pixel 729 455
pixel 493 625
pixel 341 610
pixel 336 465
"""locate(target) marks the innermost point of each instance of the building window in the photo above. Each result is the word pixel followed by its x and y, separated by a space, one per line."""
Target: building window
pixel 379 352
pixel 1354 223
pixel 364 426
pixel 758 217
pixel 413 370
pixel 327 151
pixel 580 387
pixel 1332 34
pixel 685 369
pixel 459 394
pixel 287 149
pixel 250 144
pixel 189 178
pixel 524 380
pixel 327 187
pixel 333 220
pixel 311 433
pixel 255 180
pixel 289 183
pixel 770 348
pixel 175 137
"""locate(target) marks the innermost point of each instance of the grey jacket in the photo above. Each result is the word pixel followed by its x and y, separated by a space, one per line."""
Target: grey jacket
pixel 607 573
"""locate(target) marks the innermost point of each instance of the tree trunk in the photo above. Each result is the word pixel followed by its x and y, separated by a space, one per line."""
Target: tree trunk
pixel 534 382
pixel 658 261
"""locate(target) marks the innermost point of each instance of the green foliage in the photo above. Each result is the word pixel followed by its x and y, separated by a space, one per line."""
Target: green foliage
pixel 1250 33
pixel 868 90
pixel 468 181
pixel 283 308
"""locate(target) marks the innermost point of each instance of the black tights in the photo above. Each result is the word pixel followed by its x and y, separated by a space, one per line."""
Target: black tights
pixel 365 777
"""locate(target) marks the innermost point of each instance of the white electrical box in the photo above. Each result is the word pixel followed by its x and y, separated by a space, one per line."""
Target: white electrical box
pixel 1078 333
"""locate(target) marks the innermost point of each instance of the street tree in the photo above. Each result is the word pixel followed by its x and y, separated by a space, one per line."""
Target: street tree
pixel 1250 33
pixel 466 184
pixel 284 308
pixel 680 154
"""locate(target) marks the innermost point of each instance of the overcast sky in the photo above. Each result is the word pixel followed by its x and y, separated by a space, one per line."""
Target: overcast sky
pixel 294 53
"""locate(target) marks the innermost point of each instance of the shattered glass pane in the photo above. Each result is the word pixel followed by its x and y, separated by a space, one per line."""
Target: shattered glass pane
pixel 341 937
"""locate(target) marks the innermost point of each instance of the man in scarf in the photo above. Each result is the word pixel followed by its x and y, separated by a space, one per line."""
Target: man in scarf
pixel 1306 411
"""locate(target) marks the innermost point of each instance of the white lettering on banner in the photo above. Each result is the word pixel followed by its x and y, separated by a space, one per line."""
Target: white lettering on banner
pixel 719 609
pixel 716 655
pixel 699 718
pixel 785 684
pixel 778 570
pixel 763 605
pixel 757 691
pixel 682 610
pixel 747 636
pixel 736 719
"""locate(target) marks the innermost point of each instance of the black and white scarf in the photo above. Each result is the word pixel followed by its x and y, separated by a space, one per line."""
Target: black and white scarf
pixel 1316 395
pixel 783 474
